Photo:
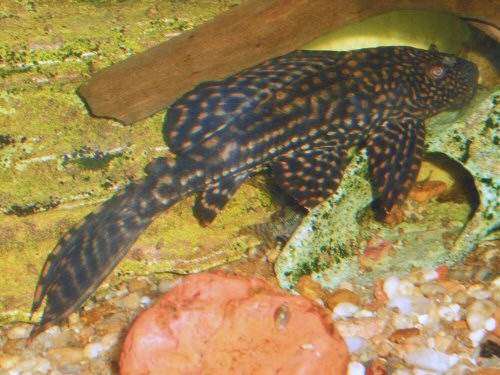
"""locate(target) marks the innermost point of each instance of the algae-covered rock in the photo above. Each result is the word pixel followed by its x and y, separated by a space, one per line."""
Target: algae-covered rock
pixel 331 238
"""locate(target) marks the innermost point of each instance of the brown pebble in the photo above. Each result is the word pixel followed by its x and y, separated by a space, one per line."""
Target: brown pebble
pixel 340 295
pixel 66 356
pixel 96 314
pixel 365 328
pixel 377 367
pixel 401 335
pixel 130 301
pixel 486 371
pixel 377 248
pixel 14 347
pixel 309 288
pixel 460 325
pixel 136 285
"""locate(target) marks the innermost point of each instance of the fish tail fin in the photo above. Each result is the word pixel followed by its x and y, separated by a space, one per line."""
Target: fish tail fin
pixel 88 253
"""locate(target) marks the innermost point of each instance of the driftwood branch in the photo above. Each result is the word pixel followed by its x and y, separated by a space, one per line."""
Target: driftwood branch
pixel 248 34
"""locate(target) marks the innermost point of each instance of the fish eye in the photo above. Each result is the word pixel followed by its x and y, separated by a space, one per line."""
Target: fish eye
pixel 436 71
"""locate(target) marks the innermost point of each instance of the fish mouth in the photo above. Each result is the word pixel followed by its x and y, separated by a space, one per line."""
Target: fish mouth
pixel 471 73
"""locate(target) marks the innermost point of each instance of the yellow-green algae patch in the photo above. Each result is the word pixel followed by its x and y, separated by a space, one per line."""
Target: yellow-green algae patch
pixel 410 28
pixel 53 154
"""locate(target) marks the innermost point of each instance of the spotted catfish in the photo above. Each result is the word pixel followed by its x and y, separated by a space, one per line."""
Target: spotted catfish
pixel 302 114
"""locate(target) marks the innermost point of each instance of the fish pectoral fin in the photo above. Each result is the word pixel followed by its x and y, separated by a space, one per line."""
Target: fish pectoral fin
pixel 395 150
pixel 312 175
pixel 211 201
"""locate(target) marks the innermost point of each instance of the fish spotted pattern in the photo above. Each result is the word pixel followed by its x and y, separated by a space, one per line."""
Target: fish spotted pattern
pixel 302 114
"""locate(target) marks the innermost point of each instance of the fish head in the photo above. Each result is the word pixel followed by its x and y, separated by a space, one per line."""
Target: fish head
pixel 439 81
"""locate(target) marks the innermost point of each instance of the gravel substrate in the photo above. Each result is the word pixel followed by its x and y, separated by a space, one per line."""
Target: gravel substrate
pixel 429 322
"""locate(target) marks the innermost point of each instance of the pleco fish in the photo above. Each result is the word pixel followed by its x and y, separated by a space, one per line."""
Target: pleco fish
pixel 303 114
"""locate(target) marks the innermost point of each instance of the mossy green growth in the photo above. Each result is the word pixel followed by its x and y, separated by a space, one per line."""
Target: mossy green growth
pixel 53 154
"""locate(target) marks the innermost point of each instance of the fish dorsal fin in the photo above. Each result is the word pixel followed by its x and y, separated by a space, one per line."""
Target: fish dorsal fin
pixel 312 175
pixel 211 201
pixel 218 106
pixel 395 150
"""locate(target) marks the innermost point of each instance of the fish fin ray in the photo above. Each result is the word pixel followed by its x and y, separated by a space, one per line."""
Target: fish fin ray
pixel 395 151
pixel 213 107
pixel 310 176
pixel 215 197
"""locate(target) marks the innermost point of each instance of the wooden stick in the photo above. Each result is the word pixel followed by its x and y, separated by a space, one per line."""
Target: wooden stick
pixel 248 34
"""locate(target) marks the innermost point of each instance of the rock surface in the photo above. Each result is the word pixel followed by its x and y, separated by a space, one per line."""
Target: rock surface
pixel 213 323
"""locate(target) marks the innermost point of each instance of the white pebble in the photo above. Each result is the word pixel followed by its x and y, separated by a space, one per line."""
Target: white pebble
pixel 355 343
pixel 487 306
pixel 21 331
pixel 476 320
pixel 145 300
pixel 356 368
pixel 423 319
pixel 391 287
pixel 364 314
pixel 428 359
pixel 450 313
pixel 477 336
pixel 481 294
pixel 490 324
pixel 93 350
pixel 409 305
pixel 344 310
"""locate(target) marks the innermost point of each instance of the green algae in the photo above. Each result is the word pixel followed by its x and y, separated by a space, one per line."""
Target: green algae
pixel 53 154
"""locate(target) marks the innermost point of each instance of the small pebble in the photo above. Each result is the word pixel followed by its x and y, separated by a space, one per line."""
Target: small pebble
pixel 145 301
pixel 355 343
pixel 408 305
pixel 477 336
pixel 428 359
pixel 344 310
pixel 490 324
pixel 450 313
pixel 93 350
pixel 391 286
pixel 430 289
pixel 8 361
pixel 34 364
pixel 131 301
pixel 137 285
pixel 21 331
pixel 339 296
pixel 481 294
pixel 356 368
pixel 65 356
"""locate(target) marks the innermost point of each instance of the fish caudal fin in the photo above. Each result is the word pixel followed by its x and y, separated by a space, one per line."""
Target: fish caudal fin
pixel 89 252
